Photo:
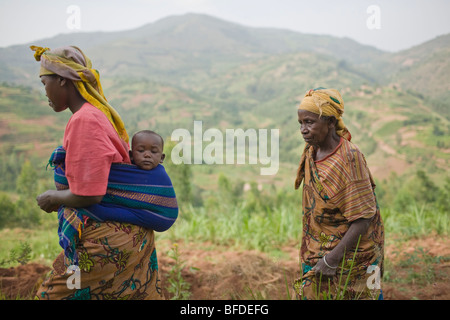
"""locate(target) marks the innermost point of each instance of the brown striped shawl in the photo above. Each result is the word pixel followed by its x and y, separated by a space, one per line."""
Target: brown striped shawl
pixel 336 191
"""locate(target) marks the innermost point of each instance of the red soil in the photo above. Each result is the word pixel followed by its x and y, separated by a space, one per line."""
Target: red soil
pixel 418 269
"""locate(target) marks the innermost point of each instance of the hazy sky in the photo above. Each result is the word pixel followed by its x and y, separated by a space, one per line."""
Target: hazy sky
pixel 390 25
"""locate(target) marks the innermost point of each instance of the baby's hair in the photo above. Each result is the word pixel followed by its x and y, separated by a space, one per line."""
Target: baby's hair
pixel 149 132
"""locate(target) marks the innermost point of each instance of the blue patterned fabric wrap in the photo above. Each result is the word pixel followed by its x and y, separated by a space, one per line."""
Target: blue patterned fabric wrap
pixel 141 197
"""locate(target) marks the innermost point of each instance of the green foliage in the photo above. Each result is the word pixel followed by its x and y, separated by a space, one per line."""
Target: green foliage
pixel 414 221
pixel 341 293
pixel 7 210
pixel 414 206
pixel 180 175
pixel 426 267
pixel 27 181
pixel 247 78
pixel 22 210
pixel 418 190
pixel 265 219
pixel 441 107
pixel 20 254
pixel 251 219
pixel 178 287
pixel 10 167
pixel 27 212
pixel 42 239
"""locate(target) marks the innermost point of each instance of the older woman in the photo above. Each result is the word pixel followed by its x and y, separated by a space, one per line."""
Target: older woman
pixel 343 236
pixel 116 260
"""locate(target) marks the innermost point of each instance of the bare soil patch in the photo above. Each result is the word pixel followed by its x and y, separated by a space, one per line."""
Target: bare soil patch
pixel 415 269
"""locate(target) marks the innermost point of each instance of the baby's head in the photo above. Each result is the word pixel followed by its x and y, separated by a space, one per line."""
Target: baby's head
pixel 147 149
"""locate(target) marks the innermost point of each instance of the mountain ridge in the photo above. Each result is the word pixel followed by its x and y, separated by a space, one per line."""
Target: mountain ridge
pixel 184 36
pixel 173 48
pixel 238 80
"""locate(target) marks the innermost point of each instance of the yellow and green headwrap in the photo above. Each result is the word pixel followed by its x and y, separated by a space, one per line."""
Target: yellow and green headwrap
pixel 71 63
pixel 324 102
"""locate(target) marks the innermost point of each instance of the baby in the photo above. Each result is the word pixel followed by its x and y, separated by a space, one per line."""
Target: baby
pixel 147 149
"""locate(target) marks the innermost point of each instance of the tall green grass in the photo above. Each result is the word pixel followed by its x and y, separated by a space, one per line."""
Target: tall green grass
pixel 243 225
pixel 43 242
pixel 238 226
pixel 416 221
pixel 268 230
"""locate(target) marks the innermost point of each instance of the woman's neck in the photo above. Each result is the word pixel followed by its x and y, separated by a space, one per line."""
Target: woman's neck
pixel 76 101
pixel 328 147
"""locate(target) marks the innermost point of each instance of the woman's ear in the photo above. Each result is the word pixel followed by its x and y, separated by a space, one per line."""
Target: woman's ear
pixel 62 81
pixel 332 122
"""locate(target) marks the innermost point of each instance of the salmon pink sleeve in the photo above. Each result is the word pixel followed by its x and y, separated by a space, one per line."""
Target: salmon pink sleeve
pixel 91 145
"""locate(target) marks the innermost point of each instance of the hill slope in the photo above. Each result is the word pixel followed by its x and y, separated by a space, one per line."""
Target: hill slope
pixel 425 69
pixel 167 74
pixel 179 46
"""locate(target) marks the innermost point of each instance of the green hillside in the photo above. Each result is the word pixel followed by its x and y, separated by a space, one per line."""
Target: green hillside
pixel 182 69
pixel 177 48
pixel 236 225
pixel 190 50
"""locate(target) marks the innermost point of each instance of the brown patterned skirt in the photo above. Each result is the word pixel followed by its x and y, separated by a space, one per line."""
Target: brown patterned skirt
pixel 117 261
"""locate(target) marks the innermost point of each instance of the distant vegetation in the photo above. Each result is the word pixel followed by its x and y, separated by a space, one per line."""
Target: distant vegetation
pixel 168 74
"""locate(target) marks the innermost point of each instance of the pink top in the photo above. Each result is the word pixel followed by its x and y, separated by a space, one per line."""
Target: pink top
pixel 92 145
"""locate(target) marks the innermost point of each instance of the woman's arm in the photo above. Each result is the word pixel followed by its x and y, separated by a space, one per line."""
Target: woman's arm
pixel 51 200
pixel 334 257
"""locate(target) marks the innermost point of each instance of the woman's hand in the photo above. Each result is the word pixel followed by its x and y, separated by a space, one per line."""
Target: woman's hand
pixel 323 271
pixel 46 201
pixel 50 200
pixel 334 257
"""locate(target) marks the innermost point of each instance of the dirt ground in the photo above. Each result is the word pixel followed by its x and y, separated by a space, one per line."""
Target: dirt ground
pixel 415 269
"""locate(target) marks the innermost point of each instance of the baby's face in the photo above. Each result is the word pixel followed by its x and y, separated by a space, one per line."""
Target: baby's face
pixel 147 151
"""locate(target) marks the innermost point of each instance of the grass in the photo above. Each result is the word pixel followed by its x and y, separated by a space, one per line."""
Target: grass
pixel 416 221
pixel 43 243
pixel 341 288
pixel 417 267
pixel 237 226
pixel 178 287
pixel 266 231
pixel 240 226
pixel 245 227
pixel 20 254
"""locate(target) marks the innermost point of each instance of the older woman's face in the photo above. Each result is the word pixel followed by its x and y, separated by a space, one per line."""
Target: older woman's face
pixel 55 92
pixel 315 130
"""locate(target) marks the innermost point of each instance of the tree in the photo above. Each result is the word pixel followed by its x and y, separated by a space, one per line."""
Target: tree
pixel 26 209
pixel 426 191
pixel 180 175
pixel 27 181
pixel 443 201
pixel 7 211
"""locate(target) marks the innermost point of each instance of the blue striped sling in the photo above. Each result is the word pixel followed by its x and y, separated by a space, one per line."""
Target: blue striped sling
pixel 141 197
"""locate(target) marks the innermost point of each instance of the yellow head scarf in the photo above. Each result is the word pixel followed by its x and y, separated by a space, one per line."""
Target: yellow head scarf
pixel 326 102
pixel 71 63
